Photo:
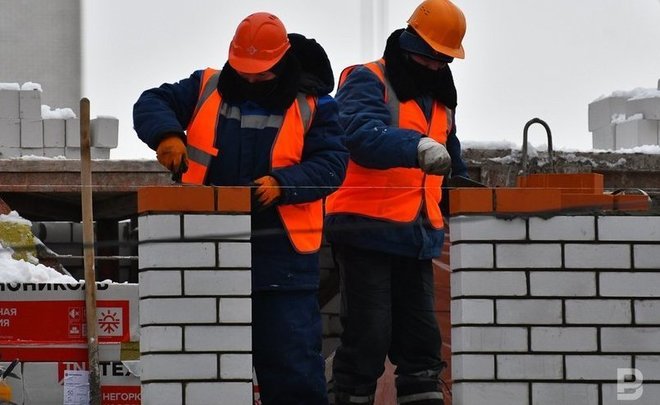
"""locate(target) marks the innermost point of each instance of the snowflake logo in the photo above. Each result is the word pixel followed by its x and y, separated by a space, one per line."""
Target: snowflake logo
pixel 109 321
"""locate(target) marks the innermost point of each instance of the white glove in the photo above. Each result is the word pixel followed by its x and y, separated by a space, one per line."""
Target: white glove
pixel 433 157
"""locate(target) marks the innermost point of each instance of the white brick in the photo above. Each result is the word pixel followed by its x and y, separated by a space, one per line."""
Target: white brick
pixel 234 255
pixel 8 153
pixel 525 256
pixel 236 366
pixel 72 153
pixel 177 310
pixel 636 133
pixel 646 256
pixel 490 394
pixel 72 129
pixel 476 228
pixel 32 133
pixel 601 111
pixel 54 133
pixel 562 228
pixel 184 366
pixel 598 311
pixel 529 311
pixel 649 395
pixel 239 393
pixel 490 283
pixel 649 366
pixel 159 283
pixel 559 339
pixel 529 367
pixel 473 367
pixel 98 153
pixel 627 228
pixel 630 340
pixel 9 102
pixel 562 284
pixel 630 284
pixel 221 338
pixel 595 367
pixel 29 104
pixel 162 394
pixel 564 394
pixel 176 255
pixel 472 311
pixel 161 339
pixel 647 312
pixel 159 227
pixel 54 152
pixel 32 152
pixel 104 132
pixel 488 339
pixel 600 256
pixel 218 282
pixel 472 256
pixel 235 310
pixel 649 107
pixel 10 132
pixel 225 227
pixel 604 138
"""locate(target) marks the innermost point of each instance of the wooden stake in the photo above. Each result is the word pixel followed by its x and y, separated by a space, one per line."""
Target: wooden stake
pixel 88 249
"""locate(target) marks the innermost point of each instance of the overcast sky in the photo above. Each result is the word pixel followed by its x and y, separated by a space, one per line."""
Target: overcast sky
pixel 524 58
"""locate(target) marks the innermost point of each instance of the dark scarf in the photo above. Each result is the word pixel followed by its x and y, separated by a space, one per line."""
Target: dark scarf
pixel 411 80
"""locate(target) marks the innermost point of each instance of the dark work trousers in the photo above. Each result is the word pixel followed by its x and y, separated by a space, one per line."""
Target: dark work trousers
pixel 386 310
pixel 286 337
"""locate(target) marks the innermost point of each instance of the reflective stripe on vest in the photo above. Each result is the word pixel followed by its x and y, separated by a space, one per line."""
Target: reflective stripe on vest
pixel 395 194
pixel 303 222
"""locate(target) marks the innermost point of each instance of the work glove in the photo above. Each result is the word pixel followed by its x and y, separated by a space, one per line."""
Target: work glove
pixel 172 154
pixel 268 191
pixel 433 157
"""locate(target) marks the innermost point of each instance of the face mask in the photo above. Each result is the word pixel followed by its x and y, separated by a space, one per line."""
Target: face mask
pixel 258 91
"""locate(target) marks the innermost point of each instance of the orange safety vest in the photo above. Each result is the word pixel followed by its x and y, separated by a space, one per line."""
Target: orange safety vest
pixel 302 222
pixel 395 194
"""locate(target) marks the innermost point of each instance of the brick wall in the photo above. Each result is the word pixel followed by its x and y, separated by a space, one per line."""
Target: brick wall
pixel 195 307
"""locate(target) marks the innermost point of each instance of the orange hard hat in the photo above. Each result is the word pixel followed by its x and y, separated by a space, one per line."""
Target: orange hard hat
pixel 259 43
pixel 441 25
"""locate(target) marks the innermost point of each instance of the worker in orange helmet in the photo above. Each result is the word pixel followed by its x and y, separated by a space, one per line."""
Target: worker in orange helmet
pixel 385 223
pixel 264 120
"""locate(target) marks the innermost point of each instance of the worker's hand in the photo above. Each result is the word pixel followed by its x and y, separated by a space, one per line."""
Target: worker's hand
pixel 268 191
pixel 433 157
pixel 172 154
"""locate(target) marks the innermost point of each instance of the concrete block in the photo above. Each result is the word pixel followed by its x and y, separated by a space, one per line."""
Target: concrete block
pixel 32 152
pixel 636 133
pixel 526 256
pixel 177 255
pixel 161 339
pixel 563 339
pixel 9 103
pixel 562 284
pixel 647 312
pixel 219 338
pixel 54 133
pixel 529 311
pixel 488 228
pixel 230 392
pixel 488 339
pixel 598 311
pixel 601 111
pixel 646 256
pixel 604 138
pixel 488 283
pixel 562 228
pixel 72 129
pixel 472 367
pixel 9 153
pixel 224 227
pixel 597 256
pixel 630 340
pixel 155 311
pixel 98 153
pixel 472 256
pixel 595 367
pixel 529 367
pixel 234 255
pixel 32 133
pixel 470 311
pixel 649 107
pixel 627 228
pixel 564 394
pixel 54 152
pixel 630 284
pixel 236 366
pixel 104 132
pixel 72 153
pixel 183 366
pixel 485 393
pixel 162 394
pixel 649 365
pixel 159 227
pixel 235 310
pixel 29 102
pixel 649 395
pixel 160 283
pixel 10 132
pixel 217 282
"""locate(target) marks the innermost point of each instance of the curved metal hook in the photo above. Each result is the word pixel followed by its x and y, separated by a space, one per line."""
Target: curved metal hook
pixel 524 145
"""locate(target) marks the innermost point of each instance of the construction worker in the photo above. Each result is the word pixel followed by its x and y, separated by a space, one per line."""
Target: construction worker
pixel 266 120
pixel 384 223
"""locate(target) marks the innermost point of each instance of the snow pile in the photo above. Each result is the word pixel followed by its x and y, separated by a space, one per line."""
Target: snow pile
pixel 31 86
pixel 58 113
pixel 634 94
pixel 9 86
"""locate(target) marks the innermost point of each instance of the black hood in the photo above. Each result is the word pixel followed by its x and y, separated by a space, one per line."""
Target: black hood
pixel 408 83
